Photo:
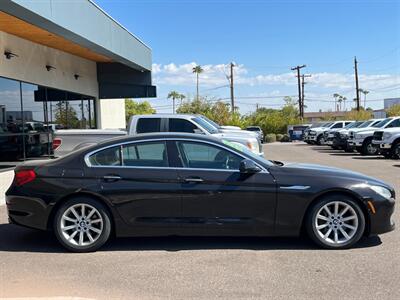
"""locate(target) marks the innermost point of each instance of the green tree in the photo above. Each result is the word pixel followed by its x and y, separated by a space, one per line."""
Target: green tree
pixel 137 108
pixel 197 70
pixel 393 111
pixel 66 115
pixel 359 115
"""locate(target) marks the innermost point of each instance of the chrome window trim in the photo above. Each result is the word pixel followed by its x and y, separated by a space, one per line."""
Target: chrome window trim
pixel 89 165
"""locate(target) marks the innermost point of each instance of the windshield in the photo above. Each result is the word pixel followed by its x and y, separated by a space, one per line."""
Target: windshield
pixel 353 125
pixel 381 124
pixel 327 124
pixel 242 148
pixel 365 124
pixel 206 125
pixel 253 129
pixel 216 125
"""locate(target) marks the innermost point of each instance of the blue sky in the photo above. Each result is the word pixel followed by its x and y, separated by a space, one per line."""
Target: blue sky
pixel 265 39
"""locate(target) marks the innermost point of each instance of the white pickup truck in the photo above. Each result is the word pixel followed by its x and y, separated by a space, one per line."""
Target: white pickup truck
pixel 388 141
pixel 66 141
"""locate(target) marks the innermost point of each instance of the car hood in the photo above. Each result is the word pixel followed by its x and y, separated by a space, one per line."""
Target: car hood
pixel 365 129
pixel 235 137
pixel 319 129
pixel 391 130
pixel 314 170
pixel 239 132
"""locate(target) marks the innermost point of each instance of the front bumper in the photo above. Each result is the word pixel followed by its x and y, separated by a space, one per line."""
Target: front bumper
pixel 355 142
pixel 382 220
pixel 385 146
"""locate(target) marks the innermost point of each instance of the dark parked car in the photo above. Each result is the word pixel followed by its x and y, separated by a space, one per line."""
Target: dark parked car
pixel 185 184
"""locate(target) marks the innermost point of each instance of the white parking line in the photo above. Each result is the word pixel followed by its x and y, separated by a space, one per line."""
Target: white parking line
pixel 5 181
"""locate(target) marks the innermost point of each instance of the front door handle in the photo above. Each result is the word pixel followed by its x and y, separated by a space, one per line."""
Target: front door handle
pixel 193 180
pixel 111 178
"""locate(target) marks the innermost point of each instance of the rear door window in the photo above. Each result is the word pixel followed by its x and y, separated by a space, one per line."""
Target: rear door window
pixel 145 125
pixel 151 154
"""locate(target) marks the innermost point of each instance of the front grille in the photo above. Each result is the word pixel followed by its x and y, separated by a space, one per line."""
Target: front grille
pixel 378 135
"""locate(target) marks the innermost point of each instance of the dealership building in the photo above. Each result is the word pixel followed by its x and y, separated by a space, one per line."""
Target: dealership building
pixel 64 64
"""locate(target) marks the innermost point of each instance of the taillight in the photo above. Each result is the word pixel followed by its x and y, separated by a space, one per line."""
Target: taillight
pixel 56 143
pixel 24 176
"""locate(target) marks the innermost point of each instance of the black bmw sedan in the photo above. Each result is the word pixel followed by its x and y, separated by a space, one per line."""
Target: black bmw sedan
pixel 186 184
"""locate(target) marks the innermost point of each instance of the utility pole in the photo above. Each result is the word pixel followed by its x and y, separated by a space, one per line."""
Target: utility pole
pixel 299 85
pixel 302 94
pixel 231 86
pixel 357 88
pixel 257 107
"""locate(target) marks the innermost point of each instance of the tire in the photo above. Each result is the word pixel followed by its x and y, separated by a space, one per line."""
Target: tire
pixel 368 148
pixel 331 241
pixel 320 139
pixel 395 151
pixel 83 235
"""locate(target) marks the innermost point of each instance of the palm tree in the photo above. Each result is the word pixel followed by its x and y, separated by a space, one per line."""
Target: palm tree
pixel 174 95
pixel 181 97
pixel 198 70
pixel 336 95
pixel 365 92
pixel 344 103
pixel 340 100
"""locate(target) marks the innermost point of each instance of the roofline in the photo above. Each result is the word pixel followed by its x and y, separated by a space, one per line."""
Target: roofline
pixel 119 24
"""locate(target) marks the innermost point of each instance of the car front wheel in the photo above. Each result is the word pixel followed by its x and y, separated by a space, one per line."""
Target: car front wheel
pixel 336 222
pixel 82 225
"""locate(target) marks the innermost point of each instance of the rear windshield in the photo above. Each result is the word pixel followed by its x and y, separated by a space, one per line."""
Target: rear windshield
pixel 253 128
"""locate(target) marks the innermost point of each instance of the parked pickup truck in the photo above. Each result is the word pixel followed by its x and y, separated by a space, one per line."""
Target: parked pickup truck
pixel 316 135
pixel 388 142
pixel 66 141
pixel 361 140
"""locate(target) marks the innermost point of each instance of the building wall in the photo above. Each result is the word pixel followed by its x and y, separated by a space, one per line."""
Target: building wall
pixel 389 102
pixel 30 66
pixel 111 114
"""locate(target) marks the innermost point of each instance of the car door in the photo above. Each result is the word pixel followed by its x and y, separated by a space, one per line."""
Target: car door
pixel 138 181
pixel 217 196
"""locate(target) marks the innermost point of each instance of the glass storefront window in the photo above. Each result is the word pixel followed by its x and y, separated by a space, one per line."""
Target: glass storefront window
pixel 29 114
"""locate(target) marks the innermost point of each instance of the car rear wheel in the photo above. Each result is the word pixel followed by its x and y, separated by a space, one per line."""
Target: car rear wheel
pixel 336 222
pixel 82 225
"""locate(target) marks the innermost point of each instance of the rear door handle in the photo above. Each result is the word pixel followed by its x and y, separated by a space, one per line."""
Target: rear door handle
pixel 194 180
pixel 111 178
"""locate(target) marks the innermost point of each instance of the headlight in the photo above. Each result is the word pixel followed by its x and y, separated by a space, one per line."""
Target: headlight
pixel 313 132
pixel 387 135
pixel 384 192
pixel 359 136
pixel 253 146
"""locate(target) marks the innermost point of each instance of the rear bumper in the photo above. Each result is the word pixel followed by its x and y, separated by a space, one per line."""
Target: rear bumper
pixel 28 212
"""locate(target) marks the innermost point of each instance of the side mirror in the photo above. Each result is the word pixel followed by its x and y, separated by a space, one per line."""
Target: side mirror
pixel 248 166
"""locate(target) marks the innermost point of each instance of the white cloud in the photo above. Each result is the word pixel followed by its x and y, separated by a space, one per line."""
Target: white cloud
pixel 216 75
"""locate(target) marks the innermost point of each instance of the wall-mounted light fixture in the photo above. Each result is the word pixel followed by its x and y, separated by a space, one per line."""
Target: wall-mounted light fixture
pixel 9 54
pixel 49 68
pixel 76 76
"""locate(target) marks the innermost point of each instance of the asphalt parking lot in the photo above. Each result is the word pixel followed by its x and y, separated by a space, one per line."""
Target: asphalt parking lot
pixel 32 264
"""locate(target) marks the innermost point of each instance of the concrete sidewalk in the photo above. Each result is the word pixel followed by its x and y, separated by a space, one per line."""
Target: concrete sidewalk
pixel 5 181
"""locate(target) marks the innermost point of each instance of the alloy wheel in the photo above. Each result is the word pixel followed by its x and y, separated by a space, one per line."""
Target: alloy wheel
pixel 81 225
pixel 371 149
pixel 336 223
